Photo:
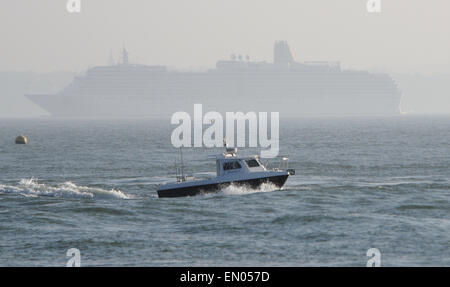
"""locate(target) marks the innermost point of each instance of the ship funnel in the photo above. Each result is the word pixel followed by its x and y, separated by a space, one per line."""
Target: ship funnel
pixel 282 53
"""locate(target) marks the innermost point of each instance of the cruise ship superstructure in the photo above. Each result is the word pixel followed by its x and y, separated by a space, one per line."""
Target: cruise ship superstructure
pixel 285 85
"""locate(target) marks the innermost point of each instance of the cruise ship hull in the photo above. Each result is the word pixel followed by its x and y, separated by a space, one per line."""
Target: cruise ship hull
pixel 70 106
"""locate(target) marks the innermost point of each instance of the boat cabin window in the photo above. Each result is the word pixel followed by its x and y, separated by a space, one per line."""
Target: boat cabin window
pixel 252 163
pixel 231 165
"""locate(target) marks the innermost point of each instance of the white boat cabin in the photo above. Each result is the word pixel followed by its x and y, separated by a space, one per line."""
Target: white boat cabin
pixel 229 163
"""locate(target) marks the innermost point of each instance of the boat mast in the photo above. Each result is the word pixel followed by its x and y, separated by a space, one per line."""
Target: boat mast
pixel 182 165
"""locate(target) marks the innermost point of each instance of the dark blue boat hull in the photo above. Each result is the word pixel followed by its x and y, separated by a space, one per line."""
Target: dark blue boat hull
pixel 255 183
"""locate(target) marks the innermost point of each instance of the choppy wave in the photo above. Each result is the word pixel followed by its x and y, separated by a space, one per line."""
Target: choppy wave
pixel 32 188
pixel 241 189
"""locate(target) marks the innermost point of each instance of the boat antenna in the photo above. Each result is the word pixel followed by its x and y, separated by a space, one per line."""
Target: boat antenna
pixel 182 165
pixel 230 151
pixel 176 169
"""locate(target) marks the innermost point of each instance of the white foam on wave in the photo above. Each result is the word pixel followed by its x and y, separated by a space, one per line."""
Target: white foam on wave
pixel 32 188
pixel 241 189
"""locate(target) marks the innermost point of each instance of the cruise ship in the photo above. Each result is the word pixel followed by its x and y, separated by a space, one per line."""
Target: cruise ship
pixel 284 85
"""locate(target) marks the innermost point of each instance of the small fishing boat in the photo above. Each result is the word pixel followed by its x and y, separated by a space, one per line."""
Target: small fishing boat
pixel 231 170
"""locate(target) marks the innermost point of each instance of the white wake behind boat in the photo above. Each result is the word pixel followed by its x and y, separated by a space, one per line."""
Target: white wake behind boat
pixel 231 170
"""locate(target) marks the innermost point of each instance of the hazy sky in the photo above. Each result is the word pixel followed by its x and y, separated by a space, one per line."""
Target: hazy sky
pixel 407 36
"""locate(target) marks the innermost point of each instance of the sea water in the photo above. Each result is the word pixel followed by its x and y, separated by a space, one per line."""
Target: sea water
pixel 360 183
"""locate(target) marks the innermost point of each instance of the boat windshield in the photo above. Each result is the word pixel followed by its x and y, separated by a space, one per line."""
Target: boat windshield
pixel 231 165
pixel 252 163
